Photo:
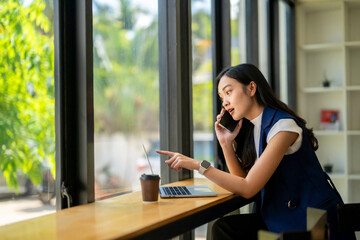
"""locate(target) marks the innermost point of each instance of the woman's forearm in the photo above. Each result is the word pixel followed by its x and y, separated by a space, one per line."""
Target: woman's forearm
pixel 232 161
pixel 230 182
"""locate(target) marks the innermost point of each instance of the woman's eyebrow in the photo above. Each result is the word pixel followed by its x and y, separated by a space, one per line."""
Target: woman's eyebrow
pixel 227 85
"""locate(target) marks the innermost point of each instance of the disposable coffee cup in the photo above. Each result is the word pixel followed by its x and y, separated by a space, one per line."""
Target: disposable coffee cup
pixel 150 187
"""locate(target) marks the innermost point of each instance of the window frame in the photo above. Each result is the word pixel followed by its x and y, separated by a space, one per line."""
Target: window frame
pixel 175 78
pixel 221 58
pixel 74 115
pixel 291 54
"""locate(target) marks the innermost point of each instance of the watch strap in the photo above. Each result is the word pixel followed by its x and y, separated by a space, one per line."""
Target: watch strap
pixel 202 169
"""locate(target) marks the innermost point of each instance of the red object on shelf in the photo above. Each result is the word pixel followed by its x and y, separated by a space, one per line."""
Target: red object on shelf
pixel 329 119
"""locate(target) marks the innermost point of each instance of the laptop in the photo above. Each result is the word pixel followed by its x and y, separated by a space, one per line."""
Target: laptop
pixel 182 191
pixel 186 191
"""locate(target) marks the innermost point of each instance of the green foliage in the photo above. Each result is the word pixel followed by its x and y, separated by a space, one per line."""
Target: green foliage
pixel 126 81
pixel 235 50
pixel 201 38
pixel 126 84
pixel 27 129
pixel 126 73
pixel 202 71
pixel 202 107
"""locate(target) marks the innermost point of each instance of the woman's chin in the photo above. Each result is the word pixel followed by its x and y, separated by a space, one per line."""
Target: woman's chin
pixel 236 118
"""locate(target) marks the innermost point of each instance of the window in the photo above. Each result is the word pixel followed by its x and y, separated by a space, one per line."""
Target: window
pixel 27 109
pixel 202 80
pixel 263 38
pixel 287 65
pixel 202 88
pixel 238 32
pixel 283 52
pixel 126 93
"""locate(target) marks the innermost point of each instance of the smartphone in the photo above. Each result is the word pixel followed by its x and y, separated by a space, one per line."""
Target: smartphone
pixel 227 121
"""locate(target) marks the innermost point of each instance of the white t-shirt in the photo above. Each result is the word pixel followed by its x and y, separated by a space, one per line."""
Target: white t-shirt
pixel 285 124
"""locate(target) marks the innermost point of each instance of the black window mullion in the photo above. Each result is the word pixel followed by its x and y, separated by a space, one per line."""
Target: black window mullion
pixel 291 54
pixel 176 125
pixel 252 36
pixel 74 120
pixel 221 58
pixel 274 54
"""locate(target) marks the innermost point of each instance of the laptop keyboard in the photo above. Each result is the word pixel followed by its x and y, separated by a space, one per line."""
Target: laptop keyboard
pixel 176 190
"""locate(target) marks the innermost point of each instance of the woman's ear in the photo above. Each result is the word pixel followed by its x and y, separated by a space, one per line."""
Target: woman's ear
pixel 252 88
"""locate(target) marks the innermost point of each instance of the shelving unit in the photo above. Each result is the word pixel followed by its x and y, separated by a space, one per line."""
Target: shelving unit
pixel 328 46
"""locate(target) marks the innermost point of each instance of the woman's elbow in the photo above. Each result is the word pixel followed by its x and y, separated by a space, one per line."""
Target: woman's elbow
pixel 247 194
pixel 246 189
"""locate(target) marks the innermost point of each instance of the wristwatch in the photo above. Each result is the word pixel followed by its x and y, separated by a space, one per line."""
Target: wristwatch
pixel 204 165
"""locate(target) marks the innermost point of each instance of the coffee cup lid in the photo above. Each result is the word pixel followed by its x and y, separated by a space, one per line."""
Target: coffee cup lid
pixel 150 176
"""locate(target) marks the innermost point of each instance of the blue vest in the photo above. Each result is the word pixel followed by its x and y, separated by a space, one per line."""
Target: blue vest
pixel 298 182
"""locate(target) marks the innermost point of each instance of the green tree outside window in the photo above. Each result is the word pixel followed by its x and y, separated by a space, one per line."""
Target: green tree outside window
pixel 27 108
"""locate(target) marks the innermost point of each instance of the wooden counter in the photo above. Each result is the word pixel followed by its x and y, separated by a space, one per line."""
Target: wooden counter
pixel 126 216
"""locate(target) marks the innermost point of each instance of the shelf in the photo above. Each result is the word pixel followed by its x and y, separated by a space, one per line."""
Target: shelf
pixel 322 89
pixel 316 1
pixel 352 63
pixel 332 150
pixel 311 105
pixel 321 47
pixel 315 66
pixel 354 186
pixel 354 132
pixel 320 22
pixel 328 38
pixel 352 20
pixel 353 114
pixel 355 44
pixel 354 176
pixel 353 88
pixel 337 176
pixel 328 133
pixel 336 133
pixel 354 154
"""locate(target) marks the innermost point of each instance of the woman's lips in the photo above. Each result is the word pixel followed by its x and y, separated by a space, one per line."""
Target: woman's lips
pixel 231 111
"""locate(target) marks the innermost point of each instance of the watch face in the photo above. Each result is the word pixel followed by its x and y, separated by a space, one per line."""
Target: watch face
pixel 205 164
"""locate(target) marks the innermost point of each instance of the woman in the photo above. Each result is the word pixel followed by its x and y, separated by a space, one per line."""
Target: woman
pixel 270 152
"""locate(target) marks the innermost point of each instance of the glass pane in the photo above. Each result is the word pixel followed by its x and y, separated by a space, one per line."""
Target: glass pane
pixel 238 33
pixel 202 87
pixel 202 80
pixel 263 37
pixel 27 110
pixel 283 52
pixel 126 93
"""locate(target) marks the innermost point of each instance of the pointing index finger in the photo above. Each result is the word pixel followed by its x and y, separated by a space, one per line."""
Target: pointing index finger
pixel 168 153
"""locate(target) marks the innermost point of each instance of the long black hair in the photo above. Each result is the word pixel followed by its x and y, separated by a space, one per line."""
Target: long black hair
pixel 246 73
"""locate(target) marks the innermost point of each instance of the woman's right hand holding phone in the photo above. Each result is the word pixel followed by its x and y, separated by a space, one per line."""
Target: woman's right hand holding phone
pixel 224 136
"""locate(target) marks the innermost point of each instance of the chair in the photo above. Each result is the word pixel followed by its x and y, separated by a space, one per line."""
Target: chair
pixel 316 225
pixel 296 235
pixel 349 217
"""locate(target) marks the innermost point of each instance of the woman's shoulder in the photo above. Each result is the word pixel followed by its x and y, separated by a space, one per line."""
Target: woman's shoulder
pixel 271 116
pixel 281 114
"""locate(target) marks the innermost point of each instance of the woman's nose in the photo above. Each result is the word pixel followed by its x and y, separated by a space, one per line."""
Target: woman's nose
pixel 225 102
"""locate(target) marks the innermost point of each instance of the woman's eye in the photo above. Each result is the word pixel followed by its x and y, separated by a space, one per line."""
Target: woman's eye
pixel 228 92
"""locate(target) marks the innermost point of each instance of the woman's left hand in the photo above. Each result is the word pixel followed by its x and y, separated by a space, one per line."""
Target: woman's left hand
pixel 178 161
pixel 224 136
